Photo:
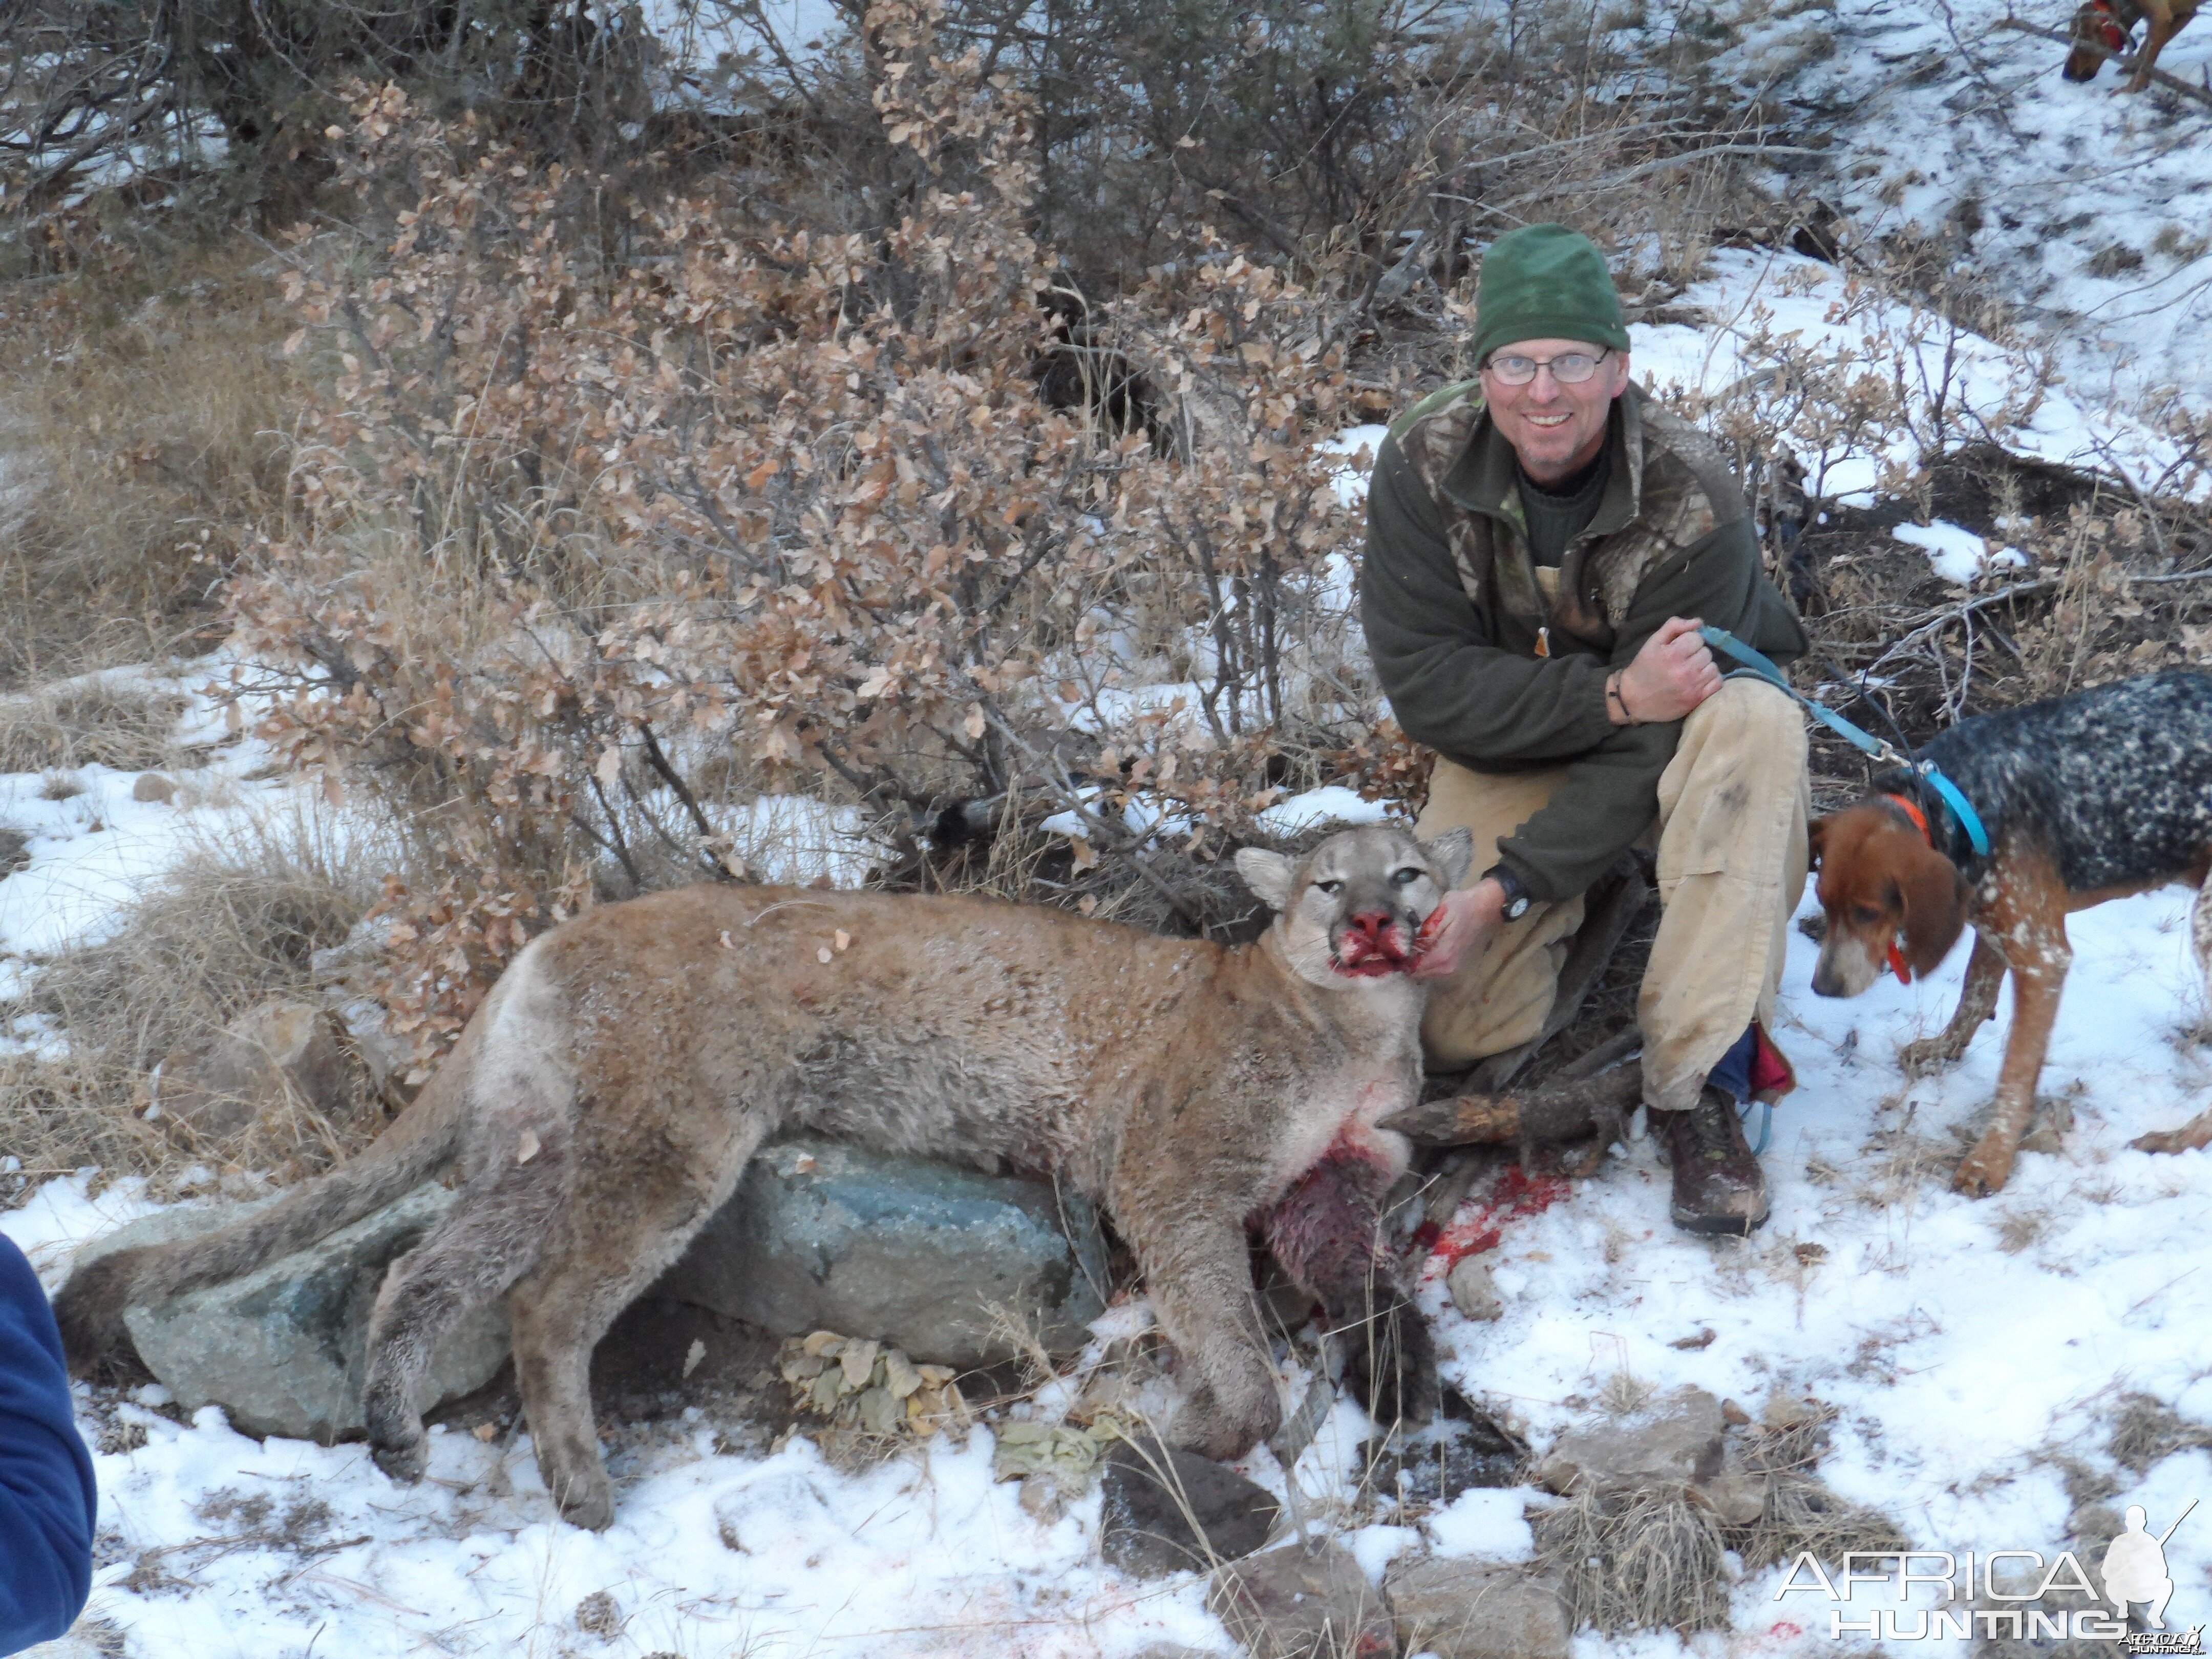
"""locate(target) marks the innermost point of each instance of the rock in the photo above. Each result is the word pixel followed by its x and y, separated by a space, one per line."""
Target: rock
pixel 1472 1291
pixel 1737 1496
pixel 1042 1498
pixel 1303 1600
pixel 1467 1609
pixel 152 785
pixel 1144 1528
pixel 279 1056
pixel 1675 1441
pixel 2053 1119
pixel 822 1236
pixel 347 975
pixel 283 1349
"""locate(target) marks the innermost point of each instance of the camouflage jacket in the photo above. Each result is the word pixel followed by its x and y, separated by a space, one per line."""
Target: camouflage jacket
pixel 1501 664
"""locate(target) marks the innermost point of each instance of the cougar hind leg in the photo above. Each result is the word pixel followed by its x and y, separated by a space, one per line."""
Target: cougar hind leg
pixel 605 1254
pixel 487 1239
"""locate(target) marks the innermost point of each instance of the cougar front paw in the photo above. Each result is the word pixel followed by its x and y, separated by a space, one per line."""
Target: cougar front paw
pixel 1205 1424
pixel 1390 1362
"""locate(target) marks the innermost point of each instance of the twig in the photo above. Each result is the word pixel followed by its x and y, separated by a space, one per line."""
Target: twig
pixel 2172 83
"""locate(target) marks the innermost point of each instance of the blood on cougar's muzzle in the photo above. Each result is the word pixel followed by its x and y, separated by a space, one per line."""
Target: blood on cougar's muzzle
pixel 1372 942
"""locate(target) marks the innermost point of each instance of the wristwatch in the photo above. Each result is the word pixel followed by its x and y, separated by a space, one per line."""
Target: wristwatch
pixel 1517 896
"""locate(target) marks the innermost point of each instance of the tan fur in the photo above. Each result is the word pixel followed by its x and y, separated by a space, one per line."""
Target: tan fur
pixel 606 1098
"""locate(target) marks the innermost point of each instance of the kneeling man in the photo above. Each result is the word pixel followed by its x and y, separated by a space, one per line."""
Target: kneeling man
pixel 1543 544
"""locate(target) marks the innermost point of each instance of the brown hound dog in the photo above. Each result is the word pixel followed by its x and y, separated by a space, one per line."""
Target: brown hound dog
pixel 2086 798
pixel 2111 24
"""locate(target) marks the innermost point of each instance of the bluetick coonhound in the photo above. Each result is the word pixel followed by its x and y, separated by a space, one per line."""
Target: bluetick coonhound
pixel 2085 798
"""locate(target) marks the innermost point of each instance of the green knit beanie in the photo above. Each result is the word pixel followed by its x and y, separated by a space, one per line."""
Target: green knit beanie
pixel 1545 283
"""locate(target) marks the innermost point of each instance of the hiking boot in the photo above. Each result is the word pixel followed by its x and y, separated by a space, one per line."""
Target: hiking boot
pixel 1718 1185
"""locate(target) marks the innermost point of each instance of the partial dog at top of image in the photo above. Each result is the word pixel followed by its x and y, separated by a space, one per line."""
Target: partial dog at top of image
pixel 2111 24
pixel 605 1099
pixel 2085 799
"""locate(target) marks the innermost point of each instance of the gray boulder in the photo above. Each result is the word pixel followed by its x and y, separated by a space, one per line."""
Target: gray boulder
pixel 821 1236
pixel 1168 1510
pixel 1678 1440
pixel 283 1349
pixel 1476 1610
pixel 818 1237
pixel 1303 1600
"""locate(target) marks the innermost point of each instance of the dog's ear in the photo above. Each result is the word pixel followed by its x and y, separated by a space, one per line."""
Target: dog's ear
pixel 1816 837
pixel 1451 852
pixel 1267 874
pixel 1934 896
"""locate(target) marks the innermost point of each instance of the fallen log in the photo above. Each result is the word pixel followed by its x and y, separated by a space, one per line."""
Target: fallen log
pixel 1564 1108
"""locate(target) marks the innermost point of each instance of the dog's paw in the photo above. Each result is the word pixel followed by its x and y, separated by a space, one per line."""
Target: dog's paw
pixel 1984 1170
pixel 2187 1138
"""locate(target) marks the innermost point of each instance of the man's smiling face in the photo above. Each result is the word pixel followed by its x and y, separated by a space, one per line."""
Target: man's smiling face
pixel 1556 430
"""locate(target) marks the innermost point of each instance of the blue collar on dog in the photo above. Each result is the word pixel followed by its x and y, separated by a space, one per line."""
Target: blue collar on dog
pixel 1760 665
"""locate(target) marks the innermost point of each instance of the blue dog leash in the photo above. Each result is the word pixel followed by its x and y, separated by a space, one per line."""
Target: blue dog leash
pixel 1763 667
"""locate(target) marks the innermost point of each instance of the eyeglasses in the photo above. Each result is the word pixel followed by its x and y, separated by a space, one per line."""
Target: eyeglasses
pixel 1568 368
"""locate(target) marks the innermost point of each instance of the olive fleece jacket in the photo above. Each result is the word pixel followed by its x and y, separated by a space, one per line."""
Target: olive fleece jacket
pixel 1502 665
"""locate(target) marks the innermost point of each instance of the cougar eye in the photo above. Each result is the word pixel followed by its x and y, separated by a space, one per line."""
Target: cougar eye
pixel 1330 888
pixel 1407 876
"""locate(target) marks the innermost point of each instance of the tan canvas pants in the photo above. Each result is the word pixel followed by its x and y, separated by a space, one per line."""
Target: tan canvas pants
pixel 1732 804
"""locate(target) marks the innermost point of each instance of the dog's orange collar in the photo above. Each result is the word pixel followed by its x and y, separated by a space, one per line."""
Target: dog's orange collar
pixel 1912 810
pixel 2115 36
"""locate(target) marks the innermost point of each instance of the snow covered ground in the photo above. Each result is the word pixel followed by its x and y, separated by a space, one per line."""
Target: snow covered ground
pixel 2082 208
pixel 1965 1344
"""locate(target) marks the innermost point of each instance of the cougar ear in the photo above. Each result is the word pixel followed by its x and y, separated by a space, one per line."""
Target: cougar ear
pixel 1934 896
pixel 1816 837
pixel 1267 874
pixel 1452 852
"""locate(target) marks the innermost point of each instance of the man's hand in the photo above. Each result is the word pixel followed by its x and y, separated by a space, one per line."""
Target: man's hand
pixel 1459 928
pixel 1672 675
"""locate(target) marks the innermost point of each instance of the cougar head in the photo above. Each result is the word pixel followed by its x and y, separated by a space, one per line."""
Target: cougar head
pixel 1351 909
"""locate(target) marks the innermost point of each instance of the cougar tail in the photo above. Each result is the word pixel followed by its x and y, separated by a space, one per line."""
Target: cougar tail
pixel 424 1138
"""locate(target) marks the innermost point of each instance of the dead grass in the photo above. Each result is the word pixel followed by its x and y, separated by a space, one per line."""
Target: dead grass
pixel 1649 1560
pixel 2146 1431
pixel 98 720
pixel 233 924
pixel 141 446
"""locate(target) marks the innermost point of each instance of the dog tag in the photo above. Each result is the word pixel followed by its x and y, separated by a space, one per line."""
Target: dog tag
pixel 1543 641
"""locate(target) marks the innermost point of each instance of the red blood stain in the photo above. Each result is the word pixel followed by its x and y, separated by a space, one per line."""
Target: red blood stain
pixel 1515 1196
pixel 1372 945
pixel 1785 1632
